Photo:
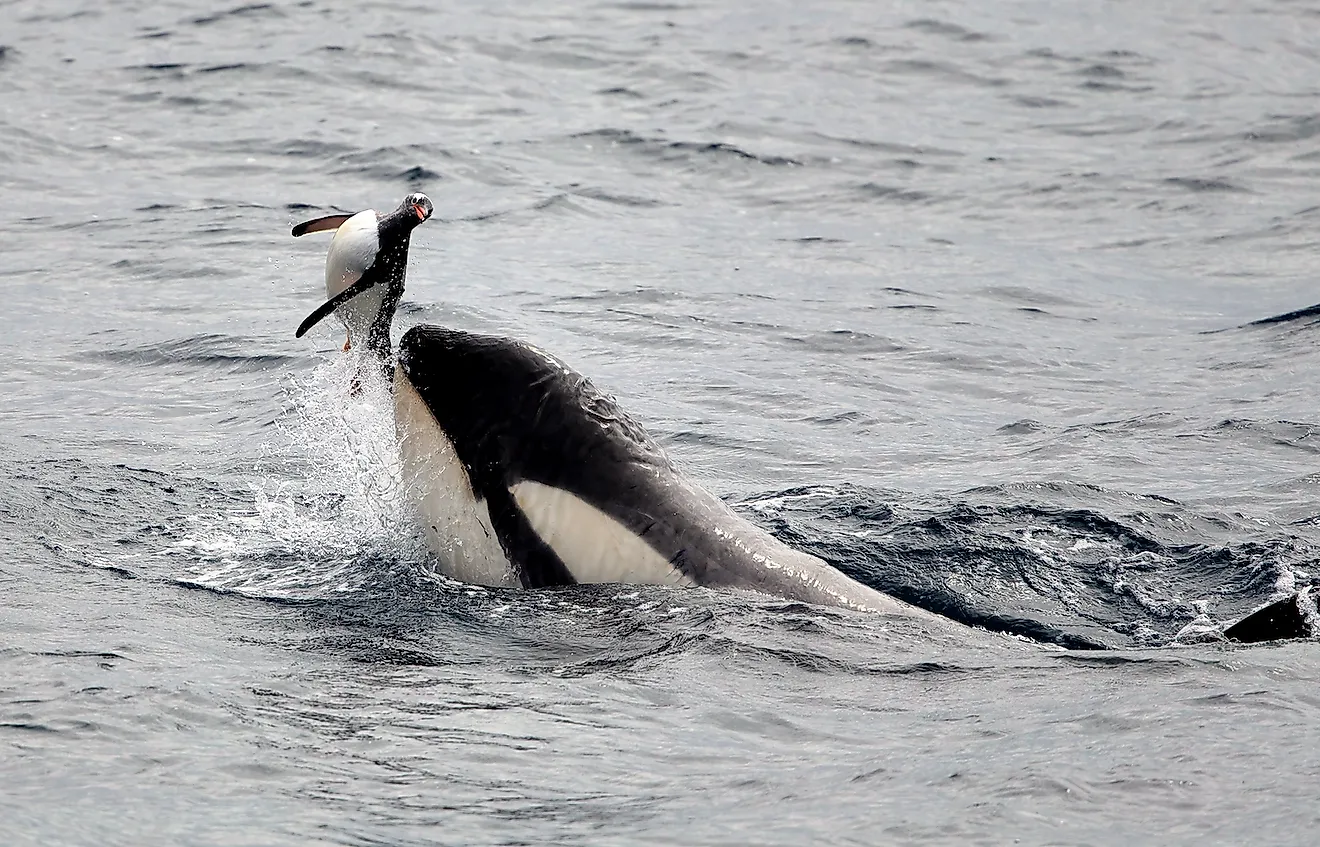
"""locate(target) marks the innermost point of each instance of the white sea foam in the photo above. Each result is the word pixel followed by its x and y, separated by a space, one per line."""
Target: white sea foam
pixel 328 514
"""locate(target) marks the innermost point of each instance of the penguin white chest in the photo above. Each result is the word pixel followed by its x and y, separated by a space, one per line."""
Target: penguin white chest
pixel 354 249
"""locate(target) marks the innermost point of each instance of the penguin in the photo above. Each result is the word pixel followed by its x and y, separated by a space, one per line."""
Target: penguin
pixel 365 270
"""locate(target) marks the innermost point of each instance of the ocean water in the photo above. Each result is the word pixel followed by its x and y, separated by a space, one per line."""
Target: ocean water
pixel 968 299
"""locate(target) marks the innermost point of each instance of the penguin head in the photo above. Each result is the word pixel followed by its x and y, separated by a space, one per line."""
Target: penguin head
pixel 419 204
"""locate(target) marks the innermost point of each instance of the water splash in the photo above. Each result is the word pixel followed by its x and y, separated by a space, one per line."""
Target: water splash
pixel 339 522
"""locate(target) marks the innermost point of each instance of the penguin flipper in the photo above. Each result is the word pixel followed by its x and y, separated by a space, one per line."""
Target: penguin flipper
pixel 369 278
pixel 320 224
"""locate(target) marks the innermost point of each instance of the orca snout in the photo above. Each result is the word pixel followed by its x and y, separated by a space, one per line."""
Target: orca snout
pixel 425 348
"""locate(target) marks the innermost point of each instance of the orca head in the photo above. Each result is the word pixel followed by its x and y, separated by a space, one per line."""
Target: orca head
pixel 510 449
pixel 516 412
pixel 480 389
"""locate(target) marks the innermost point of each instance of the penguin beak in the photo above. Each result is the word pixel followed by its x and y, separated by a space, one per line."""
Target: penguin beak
pixel 420 210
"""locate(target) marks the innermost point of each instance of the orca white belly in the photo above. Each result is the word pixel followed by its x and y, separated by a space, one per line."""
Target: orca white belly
pixel 456 525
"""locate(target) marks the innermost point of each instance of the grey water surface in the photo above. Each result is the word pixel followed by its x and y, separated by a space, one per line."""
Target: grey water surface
pixel 958 296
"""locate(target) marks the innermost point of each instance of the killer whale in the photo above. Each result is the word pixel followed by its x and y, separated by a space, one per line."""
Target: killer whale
pixel 547 481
